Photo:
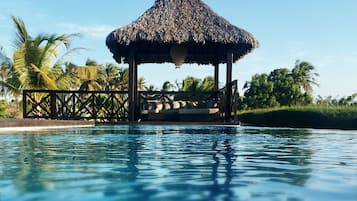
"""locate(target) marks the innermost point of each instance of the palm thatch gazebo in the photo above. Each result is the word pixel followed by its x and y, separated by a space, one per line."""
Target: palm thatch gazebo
pixel 187 29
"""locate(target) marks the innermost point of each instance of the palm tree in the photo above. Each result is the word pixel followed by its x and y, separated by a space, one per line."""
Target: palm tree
pixel 151 88
pixel 207 85
pixel 36 63
pixel 124 79
pixel 191 84
pixel 112 75
pixel 117 78
pixel 5 71
pixel 141 84
pixel 167 86
pixel 68 78
pixel 10 83
pixel 91 76
pixel 304 76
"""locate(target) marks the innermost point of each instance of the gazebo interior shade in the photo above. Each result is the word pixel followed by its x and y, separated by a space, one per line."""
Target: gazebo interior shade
pixel 188 23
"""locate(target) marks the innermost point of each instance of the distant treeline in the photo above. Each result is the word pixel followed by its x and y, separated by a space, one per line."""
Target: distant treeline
pixel 284 87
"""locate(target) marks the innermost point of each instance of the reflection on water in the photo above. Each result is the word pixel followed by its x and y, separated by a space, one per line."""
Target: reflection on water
pixel 179 163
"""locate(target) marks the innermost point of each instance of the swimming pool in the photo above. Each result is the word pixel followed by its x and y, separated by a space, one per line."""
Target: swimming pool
pixel 179 163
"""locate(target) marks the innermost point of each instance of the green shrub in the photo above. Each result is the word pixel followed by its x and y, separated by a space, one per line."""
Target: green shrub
pixel 3 109
pixel 303 117
pixel 9 109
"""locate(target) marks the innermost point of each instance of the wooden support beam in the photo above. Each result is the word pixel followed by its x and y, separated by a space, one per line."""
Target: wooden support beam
pixel 53 111
pixel 136 94
pixel 24 104
pixel 132 65
pixel 216 76
pixel 228 111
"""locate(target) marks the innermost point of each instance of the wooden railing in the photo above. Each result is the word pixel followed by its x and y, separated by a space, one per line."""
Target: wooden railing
pixel 103 106
pixel 228 107
pixel 113 106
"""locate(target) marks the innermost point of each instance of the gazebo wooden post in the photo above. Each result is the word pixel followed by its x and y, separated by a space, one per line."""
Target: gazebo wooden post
pixel 136 93
pixel 216 76
pixel 228 111
pixel 132 85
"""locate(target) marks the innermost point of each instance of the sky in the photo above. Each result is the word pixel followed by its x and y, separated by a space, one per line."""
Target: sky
pixel 322 32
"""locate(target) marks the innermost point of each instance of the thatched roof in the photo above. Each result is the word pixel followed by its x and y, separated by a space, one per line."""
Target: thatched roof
pixel 190 23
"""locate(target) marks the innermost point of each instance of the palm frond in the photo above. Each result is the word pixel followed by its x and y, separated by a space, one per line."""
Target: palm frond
pixel 3 57
pixel 43 79
pixel 12 85
pixel 68 79
pixel 22 35
pixel 68 53
pixel 19 60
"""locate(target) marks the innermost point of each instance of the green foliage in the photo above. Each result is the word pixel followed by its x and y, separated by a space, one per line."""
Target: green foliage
pixel 5 66
pixel 189 84
pixel 91 76
pixel 281 87
pixel 9 109
pixel 259 93
pixel 303 73
pixel 151 88
pixel 36 63
pixel 108 77
pixel 3 111
pixel 167 86
pixel 112 75
pixel 344 101
pixel 141 84
pixel 207 84
pixel 303 117
pixel 9 84
pixel 285 90
pixel 200 87
pixel 91 62
pixel 192 84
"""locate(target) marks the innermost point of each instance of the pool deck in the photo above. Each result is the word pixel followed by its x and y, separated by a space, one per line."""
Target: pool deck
pixel 24 125
pixel 173 123
pixel 17 125
pixel 35 124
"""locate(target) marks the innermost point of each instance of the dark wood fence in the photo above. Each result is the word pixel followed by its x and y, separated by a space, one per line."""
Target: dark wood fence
pixel 113 106
pixel 103 106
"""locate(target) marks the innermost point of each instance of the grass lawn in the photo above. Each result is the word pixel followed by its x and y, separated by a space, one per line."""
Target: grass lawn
pixel 302 117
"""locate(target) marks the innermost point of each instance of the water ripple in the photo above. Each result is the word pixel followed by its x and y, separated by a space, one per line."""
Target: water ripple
pixel 179 163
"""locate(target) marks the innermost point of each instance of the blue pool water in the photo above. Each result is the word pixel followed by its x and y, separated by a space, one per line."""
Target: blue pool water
pixel 179 163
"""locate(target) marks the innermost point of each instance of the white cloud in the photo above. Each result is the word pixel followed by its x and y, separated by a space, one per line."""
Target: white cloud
pixel 92 31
